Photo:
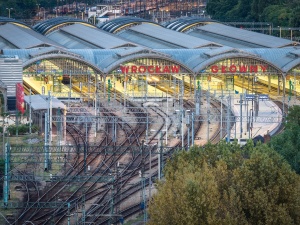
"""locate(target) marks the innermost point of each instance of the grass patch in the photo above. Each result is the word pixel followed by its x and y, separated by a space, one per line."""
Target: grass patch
pixel 73 188
pixel 139 218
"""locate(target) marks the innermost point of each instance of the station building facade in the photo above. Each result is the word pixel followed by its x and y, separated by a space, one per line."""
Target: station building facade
pixel 63 54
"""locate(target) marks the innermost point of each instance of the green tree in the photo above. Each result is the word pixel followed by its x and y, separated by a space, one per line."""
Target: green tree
pixel 295 16
pixel 293 117
pixel 219 8
pixel 287 143
pixel 277 14
pixel 241 11
pixel 224 184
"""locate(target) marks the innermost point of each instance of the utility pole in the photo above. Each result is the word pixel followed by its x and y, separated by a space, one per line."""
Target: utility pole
pixel 208 112
pixel 160 155
pixel 228 117
pixel 187 122
pixel 46 143
pixel 50 116
pixel 182 111
pixel 59 125
pixel 112 210
pixel 30 111
pixel 193 134
pixel 241 115
pixel 6 175
pixel 9 9
pixel 83 207
pixel 85 146
pixel 221 129
pixel 143 183
pixel 182 128
pixel 69 214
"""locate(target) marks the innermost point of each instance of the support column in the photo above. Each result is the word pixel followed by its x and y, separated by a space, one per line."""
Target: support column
pixel 46 143
pixel 241 115
pixel 228 118
pixel 65 124
pixel 193 134
pixel 283 88
pixel 208 112
pixel 6 175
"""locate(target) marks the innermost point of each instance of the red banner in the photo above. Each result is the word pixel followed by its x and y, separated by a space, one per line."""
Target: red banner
pixel 20 97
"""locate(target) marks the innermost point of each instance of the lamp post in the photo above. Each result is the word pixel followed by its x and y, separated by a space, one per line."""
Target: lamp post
pixel 291 33
pixel 187 115
pixel 279 31
pixel 151 147
pixel 38 10
pixel 44 13
pixel 270 29
pixel 9 11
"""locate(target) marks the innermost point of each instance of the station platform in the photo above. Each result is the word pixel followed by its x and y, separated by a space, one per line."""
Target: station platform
pixel 134 93
pixel 42 88
pixel 267 121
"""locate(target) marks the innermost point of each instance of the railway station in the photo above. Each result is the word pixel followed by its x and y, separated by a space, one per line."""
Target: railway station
pixel 149 86
pixel 144 60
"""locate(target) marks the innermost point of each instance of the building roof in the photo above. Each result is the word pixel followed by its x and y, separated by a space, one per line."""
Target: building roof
pixel 55 23
pixel 237 37
pixel 281 59
pixel 183 23
pixel 120 23
pixel 154 36
pixel 41 102
pixel 15 36
pixel 104 51
pixel 79 36
pixel 5 20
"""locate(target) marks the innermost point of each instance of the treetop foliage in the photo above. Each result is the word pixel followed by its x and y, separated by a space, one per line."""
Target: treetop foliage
pixel 224 184
pixel 287 143
pixel 279 12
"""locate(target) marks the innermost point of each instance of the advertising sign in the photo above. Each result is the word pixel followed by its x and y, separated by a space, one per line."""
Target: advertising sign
pixel 20 97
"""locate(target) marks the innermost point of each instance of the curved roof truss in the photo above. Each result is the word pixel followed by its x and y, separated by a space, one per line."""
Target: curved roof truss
pixel 203 65
pixel 130 58
pixel 121 23
pixel 5 20
pixel 55 23
pixel 184 23
pixel 53 56
pixel 290 66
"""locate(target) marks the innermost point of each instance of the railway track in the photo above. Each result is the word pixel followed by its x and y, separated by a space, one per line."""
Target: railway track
pixel 56 213
pixel 29 212
pixel 137 187
pixel 104 203
pixel 105 164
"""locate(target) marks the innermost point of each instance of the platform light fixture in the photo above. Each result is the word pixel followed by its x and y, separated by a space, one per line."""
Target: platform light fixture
pixel 9 9
pixel 279 31
pixel 291 33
